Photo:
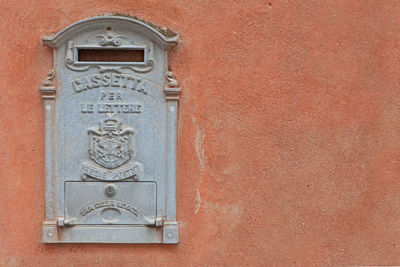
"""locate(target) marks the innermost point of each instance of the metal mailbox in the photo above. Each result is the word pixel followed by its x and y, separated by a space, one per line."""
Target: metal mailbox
pixel 110 108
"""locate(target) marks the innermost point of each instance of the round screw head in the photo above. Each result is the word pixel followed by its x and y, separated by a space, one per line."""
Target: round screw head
pixel 110 190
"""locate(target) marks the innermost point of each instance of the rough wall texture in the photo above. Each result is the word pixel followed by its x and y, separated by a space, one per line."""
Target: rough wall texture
pixel 289 133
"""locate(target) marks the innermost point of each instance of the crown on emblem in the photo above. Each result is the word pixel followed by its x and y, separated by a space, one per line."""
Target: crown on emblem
pixel 110 123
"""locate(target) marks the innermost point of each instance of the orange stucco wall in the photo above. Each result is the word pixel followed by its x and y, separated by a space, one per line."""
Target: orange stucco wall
pixel 289 133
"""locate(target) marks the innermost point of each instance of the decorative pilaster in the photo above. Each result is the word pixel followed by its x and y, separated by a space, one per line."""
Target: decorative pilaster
pixel 172 91
pixel 48 91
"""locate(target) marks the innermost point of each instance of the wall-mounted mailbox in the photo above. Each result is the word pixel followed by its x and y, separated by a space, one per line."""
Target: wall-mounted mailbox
pixel 110 109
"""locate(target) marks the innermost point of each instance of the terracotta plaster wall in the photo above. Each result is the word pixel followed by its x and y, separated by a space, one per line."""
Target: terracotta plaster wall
pixel 289 133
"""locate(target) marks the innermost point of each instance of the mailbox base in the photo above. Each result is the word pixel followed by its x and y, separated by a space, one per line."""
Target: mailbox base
pixel 167 234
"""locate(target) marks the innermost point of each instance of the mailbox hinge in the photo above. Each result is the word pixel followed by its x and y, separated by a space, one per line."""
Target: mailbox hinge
pixel 62 222
pixel 159 221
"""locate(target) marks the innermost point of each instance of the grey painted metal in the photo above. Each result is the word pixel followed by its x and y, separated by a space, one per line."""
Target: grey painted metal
pixel 48 91
pixel 110 137
pixel 104 203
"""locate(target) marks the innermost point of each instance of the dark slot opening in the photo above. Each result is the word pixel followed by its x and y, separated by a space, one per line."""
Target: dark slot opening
pixel 111 55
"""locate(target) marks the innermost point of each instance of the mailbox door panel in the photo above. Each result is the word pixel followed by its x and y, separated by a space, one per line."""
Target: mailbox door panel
pixel 104 203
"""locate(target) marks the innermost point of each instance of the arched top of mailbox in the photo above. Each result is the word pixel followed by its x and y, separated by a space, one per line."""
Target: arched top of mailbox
pixel 106 21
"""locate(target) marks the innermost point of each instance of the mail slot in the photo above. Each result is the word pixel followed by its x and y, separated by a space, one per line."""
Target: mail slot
pixel 110 109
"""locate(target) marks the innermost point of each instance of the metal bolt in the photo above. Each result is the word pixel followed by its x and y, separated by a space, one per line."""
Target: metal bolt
pixel 110 190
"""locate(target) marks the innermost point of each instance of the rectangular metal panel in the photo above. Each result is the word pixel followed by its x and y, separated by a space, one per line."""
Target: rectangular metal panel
pixel 103 203
pixel 110 135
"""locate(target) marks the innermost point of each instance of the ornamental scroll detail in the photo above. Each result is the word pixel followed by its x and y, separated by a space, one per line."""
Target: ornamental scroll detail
pixel 110 39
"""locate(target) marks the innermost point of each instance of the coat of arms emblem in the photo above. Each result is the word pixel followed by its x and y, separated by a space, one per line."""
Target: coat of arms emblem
pixel 111 143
